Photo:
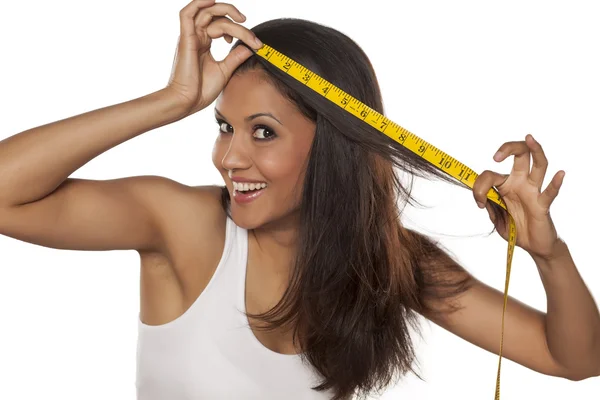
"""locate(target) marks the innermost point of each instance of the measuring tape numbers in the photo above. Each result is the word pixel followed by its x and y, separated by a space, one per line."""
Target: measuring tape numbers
pixel 412 142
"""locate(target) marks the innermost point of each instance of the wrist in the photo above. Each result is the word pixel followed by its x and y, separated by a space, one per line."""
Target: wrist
pixel 178 105
pixel 558 254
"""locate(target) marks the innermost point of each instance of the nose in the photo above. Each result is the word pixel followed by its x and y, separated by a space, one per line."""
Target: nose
pixel 236 156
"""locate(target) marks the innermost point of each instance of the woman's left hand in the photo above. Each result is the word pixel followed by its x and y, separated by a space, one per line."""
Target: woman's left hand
pixel 520 192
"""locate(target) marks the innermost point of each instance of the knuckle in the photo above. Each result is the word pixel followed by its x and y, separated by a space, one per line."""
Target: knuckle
pixel 479 194
pixel 219 21
pixel 212 30
pixel 220 24
pixel 482 191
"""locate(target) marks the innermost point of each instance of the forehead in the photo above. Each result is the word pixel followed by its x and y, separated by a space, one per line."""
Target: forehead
pixel 251 92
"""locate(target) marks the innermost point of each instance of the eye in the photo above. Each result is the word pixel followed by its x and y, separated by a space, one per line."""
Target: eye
pixel 264 133
pixel 261 132
pixel 224 126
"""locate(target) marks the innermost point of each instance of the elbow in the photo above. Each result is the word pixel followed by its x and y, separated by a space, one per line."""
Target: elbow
pixel 592 372
pixel 582 375
pixel 580 371
pixel 585 367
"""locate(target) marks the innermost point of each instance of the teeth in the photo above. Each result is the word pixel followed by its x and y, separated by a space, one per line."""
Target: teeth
pixel 242 187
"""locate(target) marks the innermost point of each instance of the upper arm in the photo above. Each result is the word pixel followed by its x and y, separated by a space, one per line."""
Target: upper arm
pixel 477 318
pixel 116 214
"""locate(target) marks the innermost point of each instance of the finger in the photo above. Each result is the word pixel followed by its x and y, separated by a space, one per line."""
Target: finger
pixel 548 195
pixel 214 19
pixel 205 16
pixel 540 162
pixel 521 152
pixel 224 26
pixel 501 228
pixel 189 12
pixel 484 183
pixel 234 59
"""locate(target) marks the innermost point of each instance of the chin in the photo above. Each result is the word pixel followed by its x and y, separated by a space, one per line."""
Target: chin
pixel 246 220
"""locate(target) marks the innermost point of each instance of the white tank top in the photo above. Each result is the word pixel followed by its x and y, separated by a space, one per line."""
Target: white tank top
pixel 210 352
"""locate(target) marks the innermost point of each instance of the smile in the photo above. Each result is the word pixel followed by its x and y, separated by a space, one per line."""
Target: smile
pixel 244 187
pixel 247 195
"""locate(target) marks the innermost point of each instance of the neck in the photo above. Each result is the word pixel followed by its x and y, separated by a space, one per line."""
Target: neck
pixel 276 243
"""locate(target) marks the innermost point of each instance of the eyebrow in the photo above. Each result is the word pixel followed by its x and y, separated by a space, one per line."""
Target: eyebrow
pixel 251 117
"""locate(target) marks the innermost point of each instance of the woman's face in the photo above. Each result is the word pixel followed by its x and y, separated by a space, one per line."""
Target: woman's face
pixel 265 139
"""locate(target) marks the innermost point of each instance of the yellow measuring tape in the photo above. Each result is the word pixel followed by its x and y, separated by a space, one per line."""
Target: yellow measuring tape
pixel 432 154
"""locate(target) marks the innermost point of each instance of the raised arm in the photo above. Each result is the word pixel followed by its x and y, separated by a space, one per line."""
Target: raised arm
pixel 40 204
pixel 565 340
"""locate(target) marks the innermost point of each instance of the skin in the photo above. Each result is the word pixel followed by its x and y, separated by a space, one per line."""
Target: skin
pixel 563 342
pixel 179 231
pixel 534 339
pixel 275 154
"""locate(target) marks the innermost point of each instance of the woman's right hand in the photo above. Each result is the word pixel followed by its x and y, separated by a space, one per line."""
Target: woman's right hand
pixel 196 78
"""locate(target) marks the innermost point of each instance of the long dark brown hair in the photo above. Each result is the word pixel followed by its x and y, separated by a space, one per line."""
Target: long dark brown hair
pixel 360 278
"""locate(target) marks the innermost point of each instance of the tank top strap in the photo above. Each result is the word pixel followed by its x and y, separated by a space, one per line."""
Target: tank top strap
pixel 232 265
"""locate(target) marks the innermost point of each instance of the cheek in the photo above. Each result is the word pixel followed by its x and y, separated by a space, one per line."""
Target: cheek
pixel 282 167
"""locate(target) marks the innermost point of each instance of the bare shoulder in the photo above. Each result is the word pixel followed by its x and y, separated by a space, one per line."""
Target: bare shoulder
pixel 189 216
pixel 192 224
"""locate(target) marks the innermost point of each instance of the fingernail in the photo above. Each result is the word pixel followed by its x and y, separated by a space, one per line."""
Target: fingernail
pixel 480 204
pixel 258 42
pixel 243 16
pixel 497 155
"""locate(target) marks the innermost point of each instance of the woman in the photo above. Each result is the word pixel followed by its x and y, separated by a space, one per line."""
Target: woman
pixel 317 253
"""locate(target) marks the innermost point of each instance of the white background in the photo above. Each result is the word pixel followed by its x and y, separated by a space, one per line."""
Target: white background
pixel 464 75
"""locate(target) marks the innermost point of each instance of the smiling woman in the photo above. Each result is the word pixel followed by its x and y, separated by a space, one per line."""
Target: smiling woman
pixel 356 284
pixel 262 138
pixel 297 278
pixel 330 184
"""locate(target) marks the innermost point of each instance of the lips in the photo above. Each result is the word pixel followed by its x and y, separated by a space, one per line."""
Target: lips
pixel 247 196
